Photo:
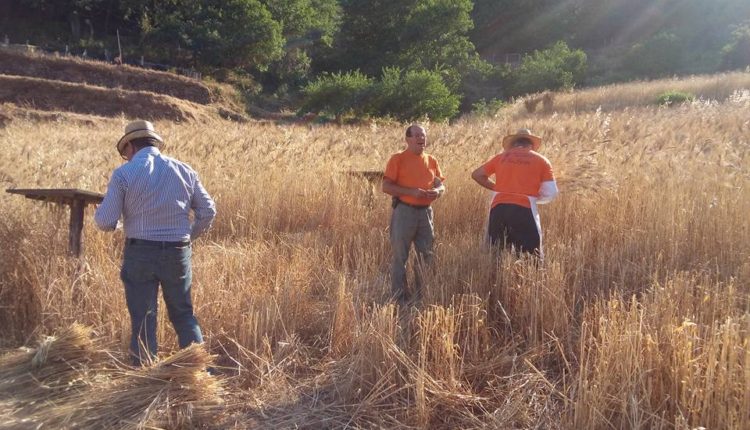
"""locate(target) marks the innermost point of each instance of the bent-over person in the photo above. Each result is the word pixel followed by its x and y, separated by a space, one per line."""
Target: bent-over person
pixel 154 195
pixel 523 179
pixel 415 181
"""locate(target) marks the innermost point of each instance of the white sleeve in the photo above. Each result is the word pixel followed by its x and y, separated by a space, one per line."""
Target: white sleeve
pixel 547 192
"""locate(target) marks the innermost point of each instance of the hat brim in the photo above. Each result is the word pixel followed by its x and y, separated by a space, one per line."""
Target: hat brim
pixel 137 134
pixel 536 141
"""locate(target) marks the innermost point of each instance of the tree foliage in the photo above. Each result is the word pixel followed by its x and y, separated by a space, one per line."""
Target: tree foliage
pixel 220 33
pixel 308 27
pixel 410 34
pixel 338 94
pixel 285 46
pixel 736 54
pixel 554 68
pixel 404 95
pixel 657 56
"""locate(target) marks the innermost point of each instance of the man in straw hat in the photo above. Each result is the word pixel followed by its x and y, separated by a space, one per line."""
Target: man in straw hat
pixel 523 179
pixel 154 194
pixel 414 180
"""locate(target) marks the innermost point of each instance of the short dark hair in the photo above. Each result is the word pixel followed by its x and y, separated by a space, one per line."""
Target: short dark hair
pixel 408 129
pixel 143 142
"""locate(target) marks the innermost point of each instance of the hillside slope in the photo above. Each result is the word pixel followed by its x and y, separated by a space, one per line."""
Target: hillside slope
pixel 44 94
pixel 63 84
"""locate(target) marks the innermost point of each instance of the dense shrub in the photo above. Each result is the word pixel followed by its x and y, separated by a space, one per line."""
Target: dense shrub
pixel 402 95
pixel 416 94
pixel 338 94
pixel 485 107
pixel 670 98
pixel 557 67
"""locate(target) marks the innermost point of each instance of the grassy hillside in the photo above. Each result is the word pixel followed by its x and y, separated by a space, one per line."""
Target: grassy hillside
pixel 638 318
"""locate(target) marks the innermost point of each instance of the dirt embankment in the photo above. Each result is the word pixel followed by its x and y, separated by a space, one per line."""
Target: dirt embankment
pixel 49 95
pixel 65 85
pixel 103 75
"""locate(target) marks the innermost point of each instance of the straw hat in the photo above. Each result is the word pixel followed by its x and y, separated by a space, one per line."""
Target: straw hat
pixel 136 130
pixel 525 133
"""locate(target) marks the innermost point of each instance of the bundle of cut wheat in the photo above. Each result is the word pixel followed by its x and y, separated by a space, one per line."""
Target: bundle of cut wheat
pixel 173 393
pixel 58 363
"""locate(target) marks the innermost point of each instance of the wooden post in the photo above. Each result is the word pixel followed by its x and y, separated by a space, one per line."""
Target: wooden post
pixel 373 177
pixel 76 227
pixel 119 47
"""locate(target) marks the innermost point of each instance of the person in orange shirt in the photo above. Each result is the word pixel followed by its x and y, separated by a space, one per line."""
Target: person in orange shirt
pixel 523 179
pixel 414 179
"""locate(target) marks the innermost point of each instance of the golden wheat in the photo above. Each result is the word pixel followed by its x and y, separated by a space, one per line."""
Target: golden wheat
pixel 640 317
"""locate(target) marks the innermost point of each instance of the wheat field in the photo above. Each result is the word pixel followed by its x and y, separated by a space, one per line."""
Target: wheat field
pixel 638 318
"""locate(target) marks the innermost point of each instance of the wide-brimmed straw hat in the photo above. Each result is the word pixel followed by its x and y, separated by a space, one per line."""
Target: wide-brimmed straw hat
pixel 524 133
pixel 136 130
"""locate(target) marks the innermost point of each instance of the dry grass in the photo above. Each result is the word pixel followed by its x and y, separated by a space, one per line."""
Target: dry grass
pixel 717 87
pixel 639 319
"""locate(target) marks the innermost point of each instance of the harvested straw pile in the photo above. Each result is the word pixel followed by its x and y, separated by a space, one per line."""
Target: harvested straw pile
pixel 58 364
pixel 57 386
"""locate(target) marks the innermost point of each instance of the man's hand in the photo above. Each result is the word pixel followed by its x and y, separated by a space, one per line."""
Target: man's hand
pixel 431 194
pixel 422 193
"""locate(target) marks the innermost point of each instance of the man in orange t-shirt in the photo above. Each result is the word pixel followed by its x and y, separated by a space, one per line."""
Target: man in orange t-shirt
pixel 414 180
pixel 523 179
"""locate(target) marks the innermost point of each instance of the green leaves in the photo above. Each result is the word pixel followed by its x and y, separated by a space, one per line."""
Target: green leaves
pixel 406 96
pixel 222 33
pixel 557 67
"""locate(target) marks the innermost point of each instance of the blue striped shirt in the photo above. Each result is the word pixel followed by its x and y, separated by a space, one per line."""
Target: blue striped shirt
pixel 154 194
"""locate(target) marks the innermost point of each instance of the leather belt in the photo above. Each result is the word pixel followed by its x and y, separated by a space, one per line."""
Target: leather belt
pixel 157 243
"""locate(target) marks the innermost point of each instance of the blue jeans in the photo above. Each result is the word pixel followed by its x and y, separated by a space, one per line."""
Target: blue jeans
pixel 144 268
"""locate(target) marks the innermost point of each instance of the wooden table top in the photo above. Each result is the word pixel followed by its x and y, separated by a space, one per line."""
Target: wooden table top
pixel 58 195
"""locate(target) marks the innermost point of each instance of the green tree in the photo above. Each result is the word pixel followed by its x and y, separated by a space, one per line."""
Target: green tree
pixel 660 55
pixel 422 93
pixel 369 36
pixel 412 95
pixel 218 33
pixel 411 34
pixel 402 95
pixel 338 94
pixel 307 27
pixel 736 54
pixel 557 67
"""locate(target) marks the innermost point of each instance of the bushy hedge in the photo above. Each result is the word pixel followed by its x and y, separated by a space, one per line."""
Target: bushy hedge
pixel 555 68
pixel 406 96
pixel 338 94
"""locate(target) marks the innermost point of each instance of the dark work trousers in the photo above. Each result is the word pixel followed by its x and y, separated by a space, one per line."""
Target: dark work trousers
pixel 514 226
pixel 410 225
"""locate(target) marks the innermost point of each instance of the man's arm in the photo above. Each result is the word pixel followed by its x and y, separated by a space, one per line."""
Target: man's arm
pixel 480 177
pixel 547 192
pixel 204 208
pixel 110 210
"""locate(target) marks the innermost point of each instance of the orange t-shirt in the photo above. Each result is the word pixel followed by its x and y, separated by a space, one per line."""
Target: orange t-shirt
pixel 408 169
pixel 518 173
